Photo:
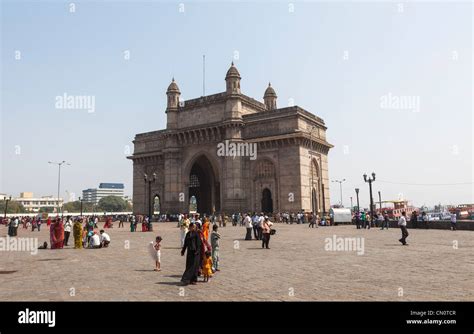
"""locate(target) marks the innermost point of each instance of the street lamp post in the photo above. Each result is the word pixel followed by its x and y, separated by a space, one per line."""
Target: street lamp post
pixel 357 194
pixel 149 181
pixel 6 206
pixel 59 176
pixel 340 187
pixel 369 180
pixel 80 199
pixel 351 205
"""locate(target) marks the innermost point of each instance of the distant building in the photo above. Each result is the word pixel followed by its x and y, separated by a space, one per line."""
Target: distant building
pixel 33 204
pixel 93 195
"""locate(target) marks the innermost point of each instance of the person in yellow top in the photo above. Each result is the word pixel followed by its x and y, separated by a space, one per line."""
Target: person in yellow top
pixel 207 267
pixel 184 226
pixel 205 228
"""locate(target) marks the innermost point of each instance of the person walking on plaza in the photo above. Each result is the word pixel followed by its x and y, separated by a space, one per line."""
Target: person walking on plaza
pixel 357 220
pixel 120 222
pixel 248 227
pixel 385 222
pixel 57 234
pixel 402 222
pixel 260 226
pixel 453 222
pixel 215 242
pixel 192 245
pixel 266 227
pixel 368 221
pixel 414 219
pixel 77 232
pixel 424 219
pixel 362 218
pixel 379 220
pixel 255 219
pixel 67 230
pixel 205 228
pixel 313 220
pixel 184 228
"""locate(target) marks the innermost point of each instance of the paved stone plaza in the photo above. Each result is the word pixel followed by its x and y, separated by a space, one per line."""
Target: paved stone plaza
pixel 297 267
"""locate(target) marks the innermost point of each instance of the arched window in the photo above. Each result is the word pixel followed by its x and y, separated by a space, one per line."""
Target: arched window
pixel 265 169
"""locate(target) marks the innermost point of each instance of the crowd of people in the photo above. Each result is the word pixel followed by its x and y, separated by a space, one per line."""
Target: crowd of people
pixel 85 230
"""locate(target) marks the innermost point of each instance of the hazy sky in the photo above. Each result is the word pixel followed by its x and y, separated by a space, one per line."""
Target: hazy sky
pixel 347 62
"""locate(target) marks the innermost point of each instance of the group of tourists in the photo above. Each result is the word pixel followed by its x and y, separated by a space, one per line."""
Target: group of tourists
pixel 364 220
pixel 200 246
pixel 85 233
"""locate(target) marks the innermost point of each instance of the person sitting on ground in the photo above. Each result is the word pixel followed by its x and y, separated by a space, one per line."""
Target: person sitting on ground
pixel 104 239
pixel 94 241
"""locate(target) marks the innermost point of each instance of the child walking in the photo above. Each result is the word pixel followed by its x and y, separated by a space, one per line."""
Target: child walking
pixel 207 267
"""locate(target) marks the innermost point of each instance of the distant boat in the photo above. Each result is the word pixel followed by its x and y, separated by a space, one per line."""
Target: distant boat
pixel 396 207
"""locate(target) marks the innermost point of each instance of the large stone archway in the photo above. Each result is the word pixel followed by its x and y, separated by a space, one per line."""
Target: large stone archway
pixel 204 185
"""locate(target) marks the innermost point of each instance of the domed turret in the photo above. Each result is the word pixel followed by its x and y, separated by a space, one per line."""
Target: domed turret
pixel 232 79
pixel 173 95
pixel 270 98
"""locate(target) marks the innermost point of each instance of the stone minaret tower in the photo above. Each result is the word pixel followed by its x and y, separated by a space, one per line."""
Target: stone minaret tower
pixel 173 94
pixel 232 80
pixel 270 98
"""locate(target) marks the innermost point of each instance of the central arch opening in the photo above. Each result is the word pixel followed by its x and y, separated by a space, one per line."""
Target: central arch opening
pixel 267 202
pixel 204 187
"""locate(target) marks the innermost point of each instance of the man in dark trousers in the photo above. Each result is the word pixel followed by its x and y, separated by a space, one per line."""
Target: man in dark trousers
pixel 357 219
pixel 402 223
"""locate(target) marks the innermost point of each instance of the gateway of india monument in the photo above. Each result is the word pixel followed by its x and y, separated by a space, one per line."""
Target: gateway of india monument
pixel 284 166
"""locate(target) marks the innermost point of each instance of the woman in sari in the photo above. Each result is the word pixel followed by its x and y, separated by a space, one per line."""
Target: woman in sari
pixel 205 247
pixel 205 228
pixel 77 232
pixel 192 244
pixel 57 234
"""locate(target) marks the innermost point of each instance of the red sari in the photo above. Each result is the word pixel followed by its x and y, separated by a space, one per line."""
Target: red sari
pixel 57 235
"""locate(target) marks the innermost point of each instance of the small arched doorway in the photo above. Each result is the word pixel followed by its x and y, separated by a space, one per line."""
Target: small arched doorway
pixel 267 201
pixel 192 204
pixel 156 205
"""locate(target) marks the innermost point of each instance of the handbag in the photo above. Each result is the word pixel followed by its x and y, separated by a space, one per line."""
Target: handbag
pixel 272 231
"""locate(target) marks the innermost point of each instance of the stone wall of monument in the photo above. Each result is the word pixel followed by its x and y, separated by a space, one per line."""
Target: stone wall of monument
pixel 290 194
pixel 201 115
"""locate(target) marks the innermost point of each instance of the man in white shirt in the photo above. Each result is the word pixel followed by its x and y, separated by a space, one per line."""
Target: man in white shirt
pixel 248 226
pixel 104 239
pixel 453 221
pixel 402 222
pixel 95 241
pixel 67 230
pixel 260 226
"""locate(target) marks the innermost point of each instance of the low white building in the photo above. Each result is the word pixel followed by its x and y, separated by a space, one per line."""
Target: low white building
pixel 34 204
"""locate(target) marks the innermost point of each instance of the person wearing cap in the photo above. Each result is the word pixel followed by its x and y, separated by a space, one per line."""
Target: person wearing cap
pixel 266 232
